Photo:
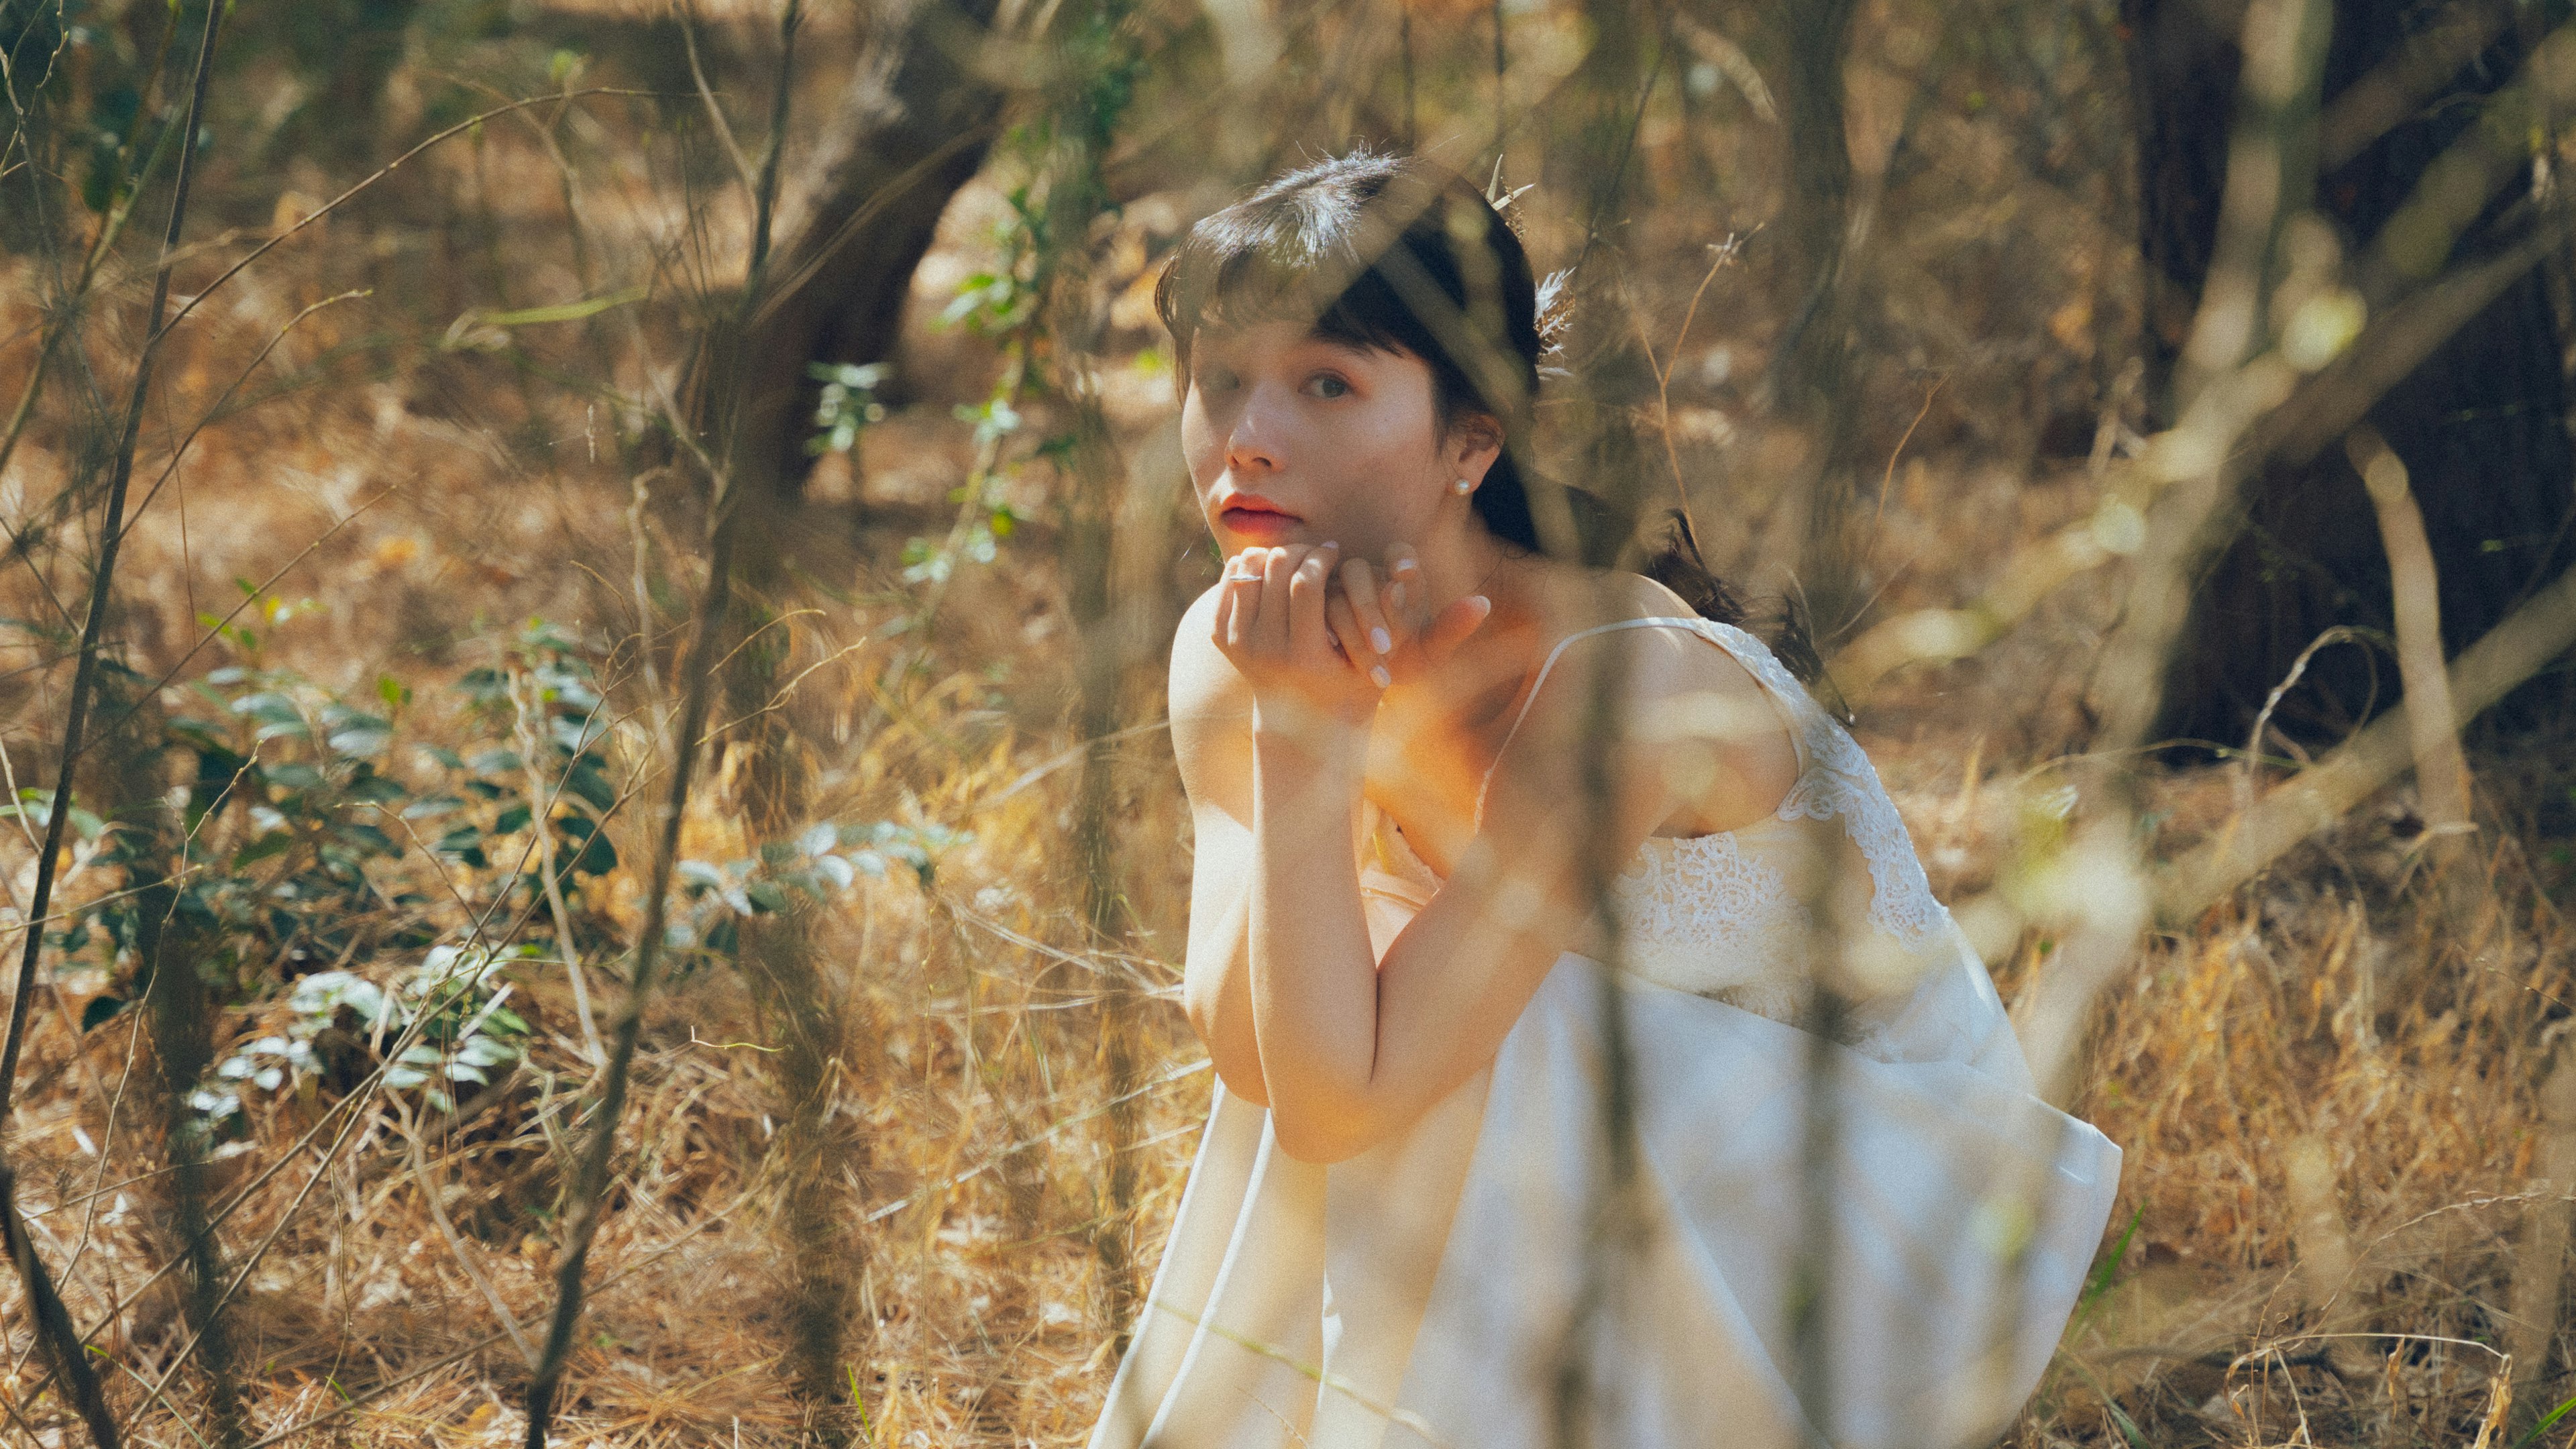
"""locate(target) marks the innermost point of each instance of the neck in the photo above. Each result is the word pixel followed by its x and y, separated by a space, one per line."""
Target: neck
pixel 1472 562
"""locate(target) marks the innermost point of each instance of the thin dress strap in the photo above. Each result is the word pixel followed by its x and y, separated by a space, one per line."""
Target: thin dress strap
pixel 1540 682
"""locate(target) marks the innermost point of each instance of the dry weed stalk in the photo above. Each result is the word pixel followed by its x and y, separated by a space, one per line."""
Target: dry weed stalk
pixel 1616 375
pixel 70 1358
pixel 2540 1267
pixel 730 486
pixel 1003 1074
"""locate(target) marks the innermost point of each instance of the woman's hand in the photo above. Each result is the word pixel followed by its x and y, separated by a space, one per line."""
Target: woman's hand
pixel 1272 625
pixel 1385 620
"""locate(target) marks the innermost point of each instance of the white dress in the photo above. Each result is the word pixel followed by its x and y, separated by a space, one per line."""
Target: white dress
pixel 1456 1284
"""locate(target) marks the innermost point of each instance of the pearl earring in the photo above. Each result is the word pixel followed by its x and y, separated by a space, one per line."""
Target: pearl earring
pixel 1463 486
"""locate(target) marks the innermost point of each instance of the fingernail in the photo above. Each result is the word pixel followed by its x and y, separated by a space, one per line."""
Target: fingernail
pixel 1328 543
pixel 1381 641
pixel 1377 672
pixel 1481 599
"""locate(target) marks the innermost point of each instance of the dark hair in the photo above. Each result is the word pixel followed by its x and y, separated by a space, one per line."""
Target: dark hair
pixel 1395 253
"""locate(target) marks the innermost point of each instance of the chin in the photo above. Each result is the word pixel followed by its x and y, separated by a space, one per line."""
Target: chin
pixel 1242 529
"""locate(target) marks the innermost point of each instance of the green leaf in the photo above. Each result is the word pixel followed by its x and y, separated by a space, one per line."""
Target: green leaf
pixel 38 806
pixel 598 854
pixel 576 733
pixel 511 821
pixel 292 775
pixel 564 311
pixel 275 712
pixel 368 738
pixel 98 1011
pixel 2537 1429
pixel 484 1051
pixel 374 788
pixel 275 842
pixel 588 782
pixel 2102 1276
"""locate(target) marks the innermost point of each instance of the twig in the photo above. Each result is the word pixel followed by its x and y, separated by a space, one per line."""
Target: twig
pixel 2485 672
pixel 542 823
pixel 53 1322
pixel 1722 253
pixel 111 533
pixel 465 1260
pixel 1057 1128
pixel 686 15
pixel 2441 773
pixel 590 1181
pixel 335 203
pixel 614 1281
pixel 171 468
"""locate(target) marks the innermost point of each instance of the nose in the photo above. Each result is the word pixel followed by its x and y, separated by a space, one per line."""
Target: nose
pixel 1257 441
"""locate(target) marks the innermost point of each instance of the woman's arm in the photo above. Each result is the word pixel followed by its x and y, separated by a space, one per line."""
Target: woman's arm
pixel 1354 1048
pixel 1211 711
pixel 1358 1048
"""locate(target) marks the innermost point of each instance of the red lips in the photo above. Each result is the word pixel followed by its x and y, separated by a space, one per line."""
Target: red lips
pixel 1253 517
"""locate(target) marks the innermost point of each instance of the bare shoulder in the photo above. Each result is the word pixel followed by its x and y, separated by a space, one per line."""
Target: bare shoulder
pixel 1204 684
pixel 1690 704
pixel 1661 665
pixel 1211 709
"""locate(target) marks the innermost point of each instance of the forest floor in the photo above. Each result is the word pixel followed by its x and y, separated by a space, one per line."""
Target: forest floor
pixel 2327 1090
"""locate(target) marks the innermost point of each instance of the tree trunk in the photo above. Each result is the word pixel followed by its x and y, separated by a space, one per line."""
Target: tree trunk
pixel 1812 371
pixel 2480 426
pixel 180 1018
pixel 910 130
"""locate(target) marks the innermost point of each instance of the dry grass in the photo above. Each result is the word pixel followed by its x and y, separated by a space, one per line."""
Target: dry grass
pixel 2327 1004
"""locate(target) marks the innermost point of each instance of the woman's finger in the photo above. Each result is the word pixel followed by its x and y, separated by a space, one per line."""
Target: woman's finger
pixel 1270 621
pixel 1244 587
pixel 1308 583
pixel 1408 596
pixel 1350 636
pixel 1359 586
pixel 1455 624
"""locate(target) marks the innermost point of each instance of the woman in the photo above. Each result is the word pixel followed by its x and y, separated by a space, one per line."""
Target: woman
pixel 1784 1180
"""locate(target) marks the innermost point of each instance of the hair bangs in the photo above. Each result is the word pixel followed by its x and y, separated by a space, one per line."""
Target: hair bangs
pixel 1297 258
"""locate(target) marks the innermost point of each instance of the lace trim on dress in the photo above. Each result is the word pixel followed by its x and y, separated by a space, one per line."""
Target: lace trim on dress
pixel 1705 915
pixel 1840 781
pixel 1717 915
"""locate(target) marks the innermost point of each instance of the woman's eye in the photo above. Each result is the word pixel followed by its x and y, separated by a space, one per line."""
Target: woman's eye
pixel 1325 385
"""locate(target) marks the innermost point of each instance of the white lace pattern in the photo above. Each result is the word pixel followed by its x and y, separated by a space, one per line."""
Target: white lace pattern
pixel 1719 915
pixel 1838 779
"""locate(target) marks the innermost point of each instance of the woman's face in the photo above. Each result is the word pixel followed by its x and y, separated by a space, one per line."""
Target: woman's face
pixel 1294 439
